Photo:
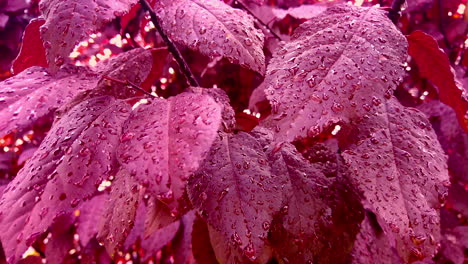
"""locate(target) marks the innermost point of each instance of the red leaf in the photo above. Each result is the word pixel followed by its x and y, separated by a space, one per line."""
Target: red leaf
pixel 32 51
pixel 434 65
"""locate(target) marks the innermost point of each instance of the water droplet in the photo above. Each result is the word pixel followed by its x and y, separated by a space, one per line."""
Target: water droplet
pixel 248 42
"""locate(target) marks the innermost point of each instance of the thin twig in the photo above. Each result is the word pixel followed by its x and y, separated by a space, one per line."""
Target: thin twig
pixel 128 83
pixel 258 19
pixel 394 13
pixel 171 46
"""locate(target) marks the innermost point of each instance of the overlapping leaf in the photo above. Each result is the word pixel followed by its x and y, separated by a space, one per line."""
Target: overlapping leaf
pixel 163 142
pixel 397 163
pixel 73 159
pixel 214 29
pixel 33 93
pixel 337 67
pixel 71 21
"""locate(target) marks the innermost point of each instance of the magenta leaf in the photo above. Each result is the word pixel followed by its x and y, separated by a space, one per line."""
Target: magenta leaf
pixel 120 211
pixel 372 246
pixel 33 94
pixel 214 29
pixel 399 166
pixel 74 158
pixel 236 193
pixel 90 215
pixel 61 240
pixel 153 240
pixel 182 243
pixel 164 141
pixel 337 67
pixel 71 21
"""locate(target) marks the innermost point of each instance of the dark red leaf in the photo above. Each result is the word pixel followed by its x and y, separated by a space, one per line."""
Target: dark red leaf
pixel 214 29
pixel 32 51
pixel 201 246
pixel 182 243
pixel 90 215
pixel 434 65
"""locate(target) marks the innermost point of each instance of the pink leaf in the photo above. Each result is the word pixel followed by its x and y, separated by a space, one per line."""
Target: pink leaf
pixel 337 67
pixel 120 212
pixel 214 29
pixel 33 93
pixel 163 142
pixel 399 166
pixel 74 158
pixel 237 195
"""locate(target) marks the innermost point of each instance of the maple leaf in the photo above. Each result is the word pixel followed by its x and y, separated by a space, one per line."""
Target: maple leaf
pixel 399 166
pixel 91 212
pixel 73 159
pixel 163 142
pixel 337 67
pixel 33 94
pixel 236 193
pixel 60 241
pixel 71 21
pixel 434 65
pixel 32 51
pixel 214 29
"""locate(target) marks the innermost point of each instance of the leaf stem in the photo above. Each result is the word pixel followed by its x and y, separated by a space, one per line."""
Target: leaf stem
pixel 258 19
pixel 171 46
pixel 395 9
pixel 129 83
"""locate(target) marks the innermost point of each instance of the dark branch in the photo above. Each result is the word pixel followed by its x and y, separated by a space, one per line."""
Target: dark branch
pixel 171 46
pixel 128 83
pixel 257 19
pixel 394 13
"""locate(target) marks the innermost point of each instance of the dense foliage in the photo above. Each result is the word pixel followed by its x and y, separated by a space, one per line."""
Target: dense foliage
pixel 203 131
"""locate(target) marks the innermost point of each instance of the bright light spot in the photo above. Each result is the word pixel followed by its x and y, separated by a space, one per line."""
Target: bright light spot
pixel 117 41
pixel 358 2
pixel 107 52
pixel 163 80
pixel 423 96
pixel 336 130
pixel 104 185
pixel 247 111
pixel 74 54
pixel 72 251
pixel 127 35
pixel 30 252
pixel 92 35
pixel 449 13
pixel 92 61
pixel 171 70
pixel 77 213
pixel 257 115
pixel 413 92
pixel 142 101
pixel 6 149
pixel 19 142
pixel 461 9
